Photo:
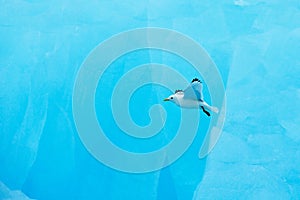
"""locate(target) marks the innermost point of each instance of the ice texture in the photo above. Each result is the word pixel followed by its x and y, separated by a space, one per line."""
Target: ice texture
pixel 255 45
pixel 257 156
pixel 7 194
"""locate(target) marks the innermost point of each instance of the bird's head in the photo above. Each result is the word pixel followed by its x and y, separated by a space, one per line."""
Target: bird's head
pixel 176 97
pixel 171 98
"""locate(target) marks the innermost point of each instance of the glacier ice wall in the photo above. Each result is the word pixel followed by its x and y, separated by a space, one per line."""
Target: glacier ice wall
pixel 257 156
pixel 7 194
pixel 255 45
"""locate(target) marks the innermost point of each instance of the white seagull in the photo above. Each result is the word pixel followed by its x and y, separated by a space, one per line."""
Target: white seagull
pixel 192 97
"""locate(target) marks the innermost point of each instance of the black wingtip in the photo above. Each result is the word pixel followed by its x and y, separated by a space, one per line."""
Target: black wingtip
pixel 205 111
pixel 196 80
pixel 178 91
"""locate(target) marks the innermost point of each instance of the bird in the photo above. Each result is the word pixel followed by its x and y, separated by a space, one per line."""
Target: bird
pixel 192 97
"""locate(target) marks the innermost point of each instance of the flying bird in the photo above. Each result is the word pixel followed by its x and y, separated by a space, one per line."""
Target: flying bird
pixel 192 97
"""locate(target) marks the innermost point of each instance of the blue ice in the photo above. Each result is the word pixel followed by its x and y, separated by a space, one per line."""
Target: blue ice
pixel 255 45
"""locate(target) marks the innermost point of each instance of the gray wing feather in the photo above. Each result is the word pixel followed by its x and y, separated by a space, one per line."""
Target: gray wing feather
pixel 194 91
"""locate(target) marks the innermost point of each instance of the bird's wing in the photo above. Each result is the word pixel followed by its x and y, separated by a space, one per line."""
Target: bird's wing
pixel 194 90
pixel 179 92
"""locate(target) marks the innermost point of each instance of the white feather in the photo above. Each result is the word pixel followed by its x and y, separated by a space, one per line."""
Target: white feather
pixel 191 97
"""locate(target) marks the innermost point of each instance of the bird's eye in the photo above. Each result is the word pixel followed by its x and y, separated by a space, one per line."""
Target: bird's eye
pixel 171 97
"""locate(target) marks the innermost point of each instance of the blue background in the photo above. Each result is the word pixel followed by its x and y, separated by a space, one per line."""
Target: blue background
pixel 255 45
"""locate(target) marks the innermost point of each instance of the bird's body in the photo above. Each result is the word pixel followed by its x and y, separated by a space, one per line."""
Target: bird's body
pixel 191 97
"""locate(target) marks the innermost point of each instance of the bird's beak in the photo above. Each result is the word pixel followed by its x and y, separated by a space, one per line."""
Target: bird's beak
pixel 166 99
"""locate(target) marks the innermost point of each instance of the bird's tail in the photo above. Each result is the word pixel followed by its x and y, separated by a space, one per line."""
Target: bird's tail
pixel 211 108
pixel 214 109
